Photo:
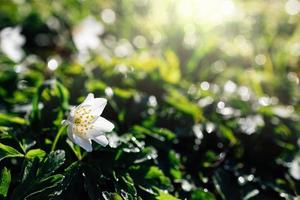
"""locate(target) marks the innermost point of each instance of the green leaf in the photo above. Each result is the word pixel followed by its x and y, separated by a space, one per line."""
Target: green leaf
pixel 63 94
pixel 155 175
pixel 182 104
pixel 161 134
pixel 126 184
pixel 166 133
pixel 210 158
pixel 4 132
pixel 251 194
pixel 75 148
pixel 70 174
pixel 174 160
pixel 170 69
pixel 52 162
pixel 50 92
pixel 9 119
pixel 164 196
pixel 28 179
pixel 176 173
pixel 111 196
pixel 199 194
pixel 149 177
pixel 35 186
pixel 125 94
pixel 47 187
pixel 8 152
pixel 30 169
pixel 228 134
pixel 35 153
pixel 5 179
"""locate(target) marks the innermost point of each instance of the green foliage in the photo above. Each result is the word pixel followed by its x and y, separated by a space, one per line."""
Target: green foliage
pixel 35 153
pixel 203 109
pixel 38 178
pixel 165 196
pixel 199 194
pixel 8 152
pixel 5 179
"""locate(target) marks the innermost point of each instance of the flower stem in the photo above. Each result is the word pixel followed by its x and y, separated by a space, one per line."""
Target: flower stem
pixel 60 131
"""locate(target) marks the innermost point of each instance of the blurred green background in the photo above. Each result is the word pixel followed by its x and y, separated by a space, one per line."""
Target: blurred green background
pixel 204 96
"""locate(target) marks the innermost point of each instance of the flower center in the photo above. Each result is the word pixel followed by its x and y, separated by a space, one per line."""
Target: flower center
pixel 77 121
pixel 83 120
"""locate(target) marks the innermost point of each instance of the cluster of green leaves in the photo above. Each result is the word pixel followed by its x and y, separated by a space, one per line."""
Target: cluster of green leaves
pixel 175 136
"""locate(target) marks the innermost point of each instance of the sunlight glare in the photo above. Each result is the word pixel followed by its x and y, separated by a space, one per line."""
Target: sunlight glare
pixel 210 12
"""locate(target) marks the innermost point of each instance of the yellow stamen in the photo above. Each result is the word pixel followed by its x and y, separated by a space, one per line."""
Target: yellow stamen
pixel 83 120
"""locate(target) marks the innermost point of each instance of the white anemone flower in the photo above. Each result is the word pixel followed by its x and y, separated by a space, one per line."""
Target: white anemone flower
pixel 86 34
pixel 11 42
pixel 86 124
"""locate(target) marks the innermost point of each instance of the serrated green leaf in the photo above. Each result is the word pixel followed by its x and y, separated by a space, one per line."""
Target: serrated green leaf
pixel 37 187
pixel 30 168
pixel 70 174
pixel 28 179
pixel 52 162
pixel 47 187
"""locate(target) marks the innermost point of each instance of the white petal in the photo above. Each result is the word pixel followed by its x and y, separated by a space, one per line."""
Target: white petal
pixel 101 139
pixel 100 126
pixel 72 111
pixel 84 143
pixel 88 100
pixel 97 106
pixel 70 134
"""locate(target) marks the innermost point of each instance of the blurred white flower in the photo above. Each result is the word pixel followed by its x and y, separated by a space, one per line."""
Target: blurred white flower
pixel 265 101
pixel 108 16
pixel 123 49
pixel 53 64
pixel 197 129
pixel 109 92
pixel 244 93
pixel 295 168
pixel 230 86
pixel 152 102
pixel 140 41
pixel 205 101
pixel 11 42
pixel 292 7
pixel 86 124
pixel 250 124
pixel 283 111
pixel 210 127
pixel 86 34
pixel 204 85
